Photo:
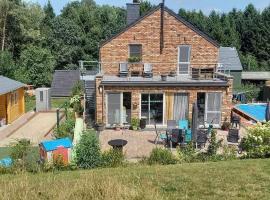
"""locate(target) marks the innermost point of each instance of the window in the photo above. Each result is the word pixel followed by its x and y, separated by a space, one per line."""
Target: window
pixel 135 50
pixel 41 96
pixel 183 59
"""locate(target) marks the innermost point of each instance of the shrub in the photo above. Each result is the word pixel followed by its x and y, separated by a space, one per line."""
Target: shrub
pixel 257 142
pixel 251 91
pixel 77 89
pixel 112 158
pixel 187 154
pixel 65 129
pixel 161 156
pixel 214 144
pixel 135 122
pixel 88 153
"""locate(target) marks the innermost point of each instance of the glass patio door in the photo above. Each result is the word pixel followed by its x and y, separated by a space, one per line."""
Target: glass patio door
pixel 213 108
pixel 113 108
pixel 152 108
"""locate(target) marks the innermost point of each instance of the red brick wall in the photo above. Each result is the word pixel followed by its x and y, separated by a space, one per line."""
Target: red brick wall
pixel 147 33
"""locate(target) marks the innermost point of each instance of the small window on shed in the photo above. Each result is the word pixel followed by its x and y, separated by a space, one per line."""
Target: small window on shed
pixel 135 50
pixel 41 96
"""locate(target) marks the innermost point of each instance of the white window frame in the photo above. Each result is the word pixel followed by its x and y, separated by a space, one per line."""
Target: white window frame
pixel 129 45
pixel 163 112
pixel 178 60
pixel 206 109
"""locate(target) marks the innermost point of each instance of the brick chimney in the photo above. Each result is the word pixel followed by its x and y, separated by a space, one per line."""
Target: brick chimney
pixel 133 11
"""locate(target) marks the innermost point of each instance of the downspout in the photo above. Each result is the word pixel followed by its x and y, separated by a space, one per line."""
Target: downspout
pixel 162 27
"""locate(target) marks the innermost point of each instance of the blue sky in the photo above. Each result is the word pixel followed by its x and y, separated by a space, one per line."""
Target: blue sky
pixel 205 5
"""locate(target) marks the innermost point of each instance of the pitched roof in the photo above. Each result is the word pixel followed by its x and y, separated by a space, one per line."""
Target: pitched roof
pixel 229 58
pixel 63 82
pixel 179 18
pixel 8 85
pixel 54 144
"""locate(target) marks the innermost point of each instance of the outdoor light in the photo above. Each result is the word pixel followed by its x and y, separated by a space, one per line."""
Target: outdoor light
pixel 100 89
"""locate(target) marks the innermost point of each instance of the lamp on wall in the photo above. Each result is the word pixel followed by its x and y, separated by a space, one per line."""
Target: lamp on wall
pixel 100 89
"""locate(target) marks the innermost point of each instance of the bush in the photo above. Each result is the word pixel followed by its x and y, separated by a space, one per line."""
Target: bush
pixel 251 91
pixel 112 158
pixel 214 144
pixel 257 142
pixel 77 89
pixel 135 122
pixel 88 153
pixel 187 154
pixel 65 129
pixel 161 156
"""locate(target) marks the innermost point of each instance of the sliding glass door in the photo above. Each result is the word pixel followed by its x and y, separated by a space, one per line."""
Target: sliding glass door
pixel 213 108
pixel 152 108
pixel 118 108
pixel 180 108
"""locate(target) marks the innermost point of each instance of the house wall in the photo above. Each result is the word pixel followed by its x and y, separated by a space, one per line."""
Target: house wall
pixel 15 109
pixel 136 92
pixel 147 32
pixel 3 110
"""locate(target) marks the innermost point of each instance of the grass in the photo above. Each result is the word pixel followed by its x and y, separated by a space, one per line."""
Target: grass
pixel 30 103
pixel 4 152
pixel 239 179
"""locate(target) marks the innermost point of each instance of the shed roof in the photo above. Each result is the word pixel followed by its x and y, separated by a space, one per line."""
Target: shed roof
pixel 54 144
pixel 178 17
pixel 8 85
pixel 229 58
pixel 259 76
pixel 63 82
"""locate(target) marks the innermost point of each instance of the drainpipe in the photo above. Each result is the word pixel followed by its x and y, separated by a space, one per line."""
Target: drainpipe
pixel 162 26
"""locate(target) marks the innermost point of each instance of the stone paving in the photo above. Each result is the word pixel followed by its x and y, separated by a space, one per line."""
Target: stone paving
pixel 141 143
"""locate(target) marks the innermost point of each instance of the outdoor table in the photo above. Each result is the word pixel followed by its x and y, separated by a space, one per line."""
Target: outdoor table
pixel 117 144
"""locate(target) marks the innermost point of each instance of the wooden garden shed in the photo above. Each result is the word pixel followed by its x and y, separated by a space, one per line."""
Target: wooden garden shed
pixel 11 100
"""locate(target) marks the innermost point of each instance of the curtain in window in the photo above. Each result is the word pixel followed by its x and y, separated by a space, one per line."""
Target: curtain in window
pixel 169 106
pixel 113 110
pixel 180 106
pixel 213 108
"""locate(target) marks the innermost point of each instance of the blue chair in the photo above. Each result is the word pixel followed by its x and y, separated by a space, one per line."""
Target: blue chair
pixel 188 136
pixel 183 124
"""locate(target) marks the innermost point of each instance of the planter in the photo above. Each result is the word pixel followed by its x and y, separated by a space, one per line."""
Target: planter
pixel 142 123
pixel 164 77
pixel 100 127
pixel 134 128
pixel 172 74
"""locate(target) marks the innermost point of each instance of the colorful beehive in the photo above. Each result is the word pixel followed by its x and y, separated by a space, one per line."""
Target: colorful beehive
pixel 55 149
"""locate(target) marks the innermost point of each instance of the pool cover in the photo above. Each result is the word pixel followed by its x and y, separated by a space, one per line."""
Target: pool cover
pixel 255 111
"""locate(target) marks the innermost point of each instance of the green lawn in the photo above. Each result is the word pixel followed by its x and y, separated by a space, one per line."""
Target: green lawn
pixel 30 103
pixel 240 179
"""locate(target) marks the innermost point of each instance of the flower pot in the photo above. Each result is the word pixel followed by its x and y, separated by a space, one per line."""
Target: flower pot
pixel 134 128
pixel 164 77
pixel 100 127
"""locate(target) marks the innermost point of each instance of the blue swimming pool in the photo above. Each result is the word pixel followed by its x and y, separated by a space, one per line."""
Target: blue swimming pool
pixel 254 111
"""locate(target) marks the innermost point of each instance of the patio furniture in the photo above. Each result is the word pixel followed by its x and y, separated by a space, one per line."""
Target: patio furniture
pixel 188 136
pixel 147 70
pixel 201 138
pixel 233 136
pixel 117 144
pixel 171 124
pixel 160 136
pixel 183 124
pixel 123 69
pixel 235 121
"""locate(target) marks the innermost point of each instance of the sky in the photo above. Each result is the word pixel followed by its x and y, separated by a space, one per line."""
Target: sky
pixel 205 5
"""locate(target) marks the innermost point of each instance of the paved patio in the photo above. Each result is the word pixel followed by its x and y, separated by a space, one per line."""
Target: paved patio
pixel 141 143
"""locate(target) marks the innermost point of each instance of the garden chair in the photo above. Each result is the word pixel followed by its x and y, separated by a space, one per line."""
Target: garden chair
pixel 233 136
pixel 171 124
pixel 188 136
pixel 160 136
pixel 183 124
pixel 147 70
pixel 123 69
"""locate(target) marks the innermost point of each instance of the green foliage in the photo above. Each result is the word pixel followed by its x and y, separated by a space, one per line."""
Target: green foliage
pixel 213 144
pixel 66 129
pixel 135 122
pixel 88 154
pixel 187 154
pixel 112 158
pixel 257 142
pixel 251 91
pixel 161 156
pixel 77 89
pixel 134 59
pixel 36 66
pixel 7 64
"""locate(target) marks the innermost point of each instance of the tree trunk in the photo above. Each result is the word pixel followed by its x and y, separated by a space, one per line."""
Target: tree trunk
pixel 4 32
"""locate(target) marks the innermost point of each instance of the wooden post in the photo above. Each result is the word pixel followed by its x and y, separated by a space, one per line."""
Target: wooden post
pixel 57 118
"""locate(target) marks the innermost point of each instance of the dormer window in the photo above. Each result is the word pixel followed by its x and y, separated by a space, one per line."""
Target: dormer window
pixel 184 59
pixel 135 52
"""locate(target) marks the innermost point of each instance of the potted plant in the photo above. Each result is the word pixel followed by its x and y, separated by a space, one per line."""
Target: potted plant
pixel 226 125
pixel 117 127
pixel 172 73
pixel 100 126
pixel 135 123
pixel 134 59
pixel 163 77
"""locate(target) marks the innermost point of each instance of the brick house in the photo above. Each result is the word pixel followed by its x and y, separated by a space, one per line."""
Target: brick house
pixel 157 67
